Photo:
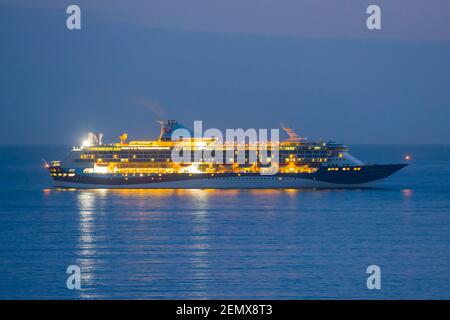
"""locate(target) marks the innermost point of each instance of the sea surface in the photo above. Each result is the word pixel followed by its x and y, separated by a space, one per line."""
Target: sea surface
pixel 227 244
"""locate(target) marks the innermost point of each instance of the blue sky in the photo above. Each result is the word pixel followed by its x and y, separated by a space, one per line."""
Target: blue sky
pixel 311 64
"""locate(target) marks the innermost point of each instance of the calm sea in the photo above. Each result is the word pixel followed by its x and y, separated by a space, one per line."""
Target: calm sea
pixel 280 244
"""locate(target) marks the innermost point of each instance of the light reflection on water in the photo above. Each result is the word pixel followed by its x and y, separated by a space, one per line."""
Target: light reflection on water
pixel 197 242
pixel 289 244
pixel 185 243
pixel 86 247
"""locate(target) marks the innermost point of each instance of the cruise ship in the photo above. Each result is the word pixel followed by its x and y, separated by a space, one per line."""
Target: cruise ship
pixel 298 163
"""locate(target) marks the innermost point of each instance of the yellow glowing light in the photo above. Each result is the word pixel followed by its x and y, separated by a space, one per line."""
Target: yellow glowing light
pixel 86 143
pixel 192 169
pixel 200 144
pixel 100 169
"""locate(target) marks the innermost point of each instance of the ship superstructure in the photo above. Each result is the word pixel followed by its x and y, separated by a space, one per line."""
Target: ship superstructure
pixel 149 164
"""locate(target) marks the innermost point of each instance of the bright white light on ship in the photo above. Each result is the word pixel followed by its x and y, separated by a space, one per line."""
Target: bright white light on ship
pixel 201 144
pixel 100 169
pixel 86 143
pixel 407 157
pixel 192 169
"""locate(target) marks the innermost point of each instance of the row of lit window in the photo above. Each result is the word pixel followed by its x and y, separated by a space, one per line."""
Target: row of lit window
pixel 62 174
pixel 291 159
pixel 133 159
pixel 300 157
pixel 344 169
pixel 87 156
pixel 148 154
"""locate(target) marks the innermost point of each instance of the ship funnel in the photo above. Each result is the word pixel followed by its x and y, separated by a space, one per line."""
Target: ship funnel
pixel 168 127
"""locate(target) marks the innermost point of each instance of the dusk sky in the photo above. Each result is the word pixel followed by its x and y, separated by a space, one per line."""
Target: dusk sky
pixel 251 63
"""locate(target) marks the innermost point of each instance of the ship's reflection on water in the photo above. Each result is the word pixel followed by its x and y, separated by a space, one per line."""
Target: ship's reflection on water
pixel 205 243
pixel 87 258
pixel 200 243
pixel 156 237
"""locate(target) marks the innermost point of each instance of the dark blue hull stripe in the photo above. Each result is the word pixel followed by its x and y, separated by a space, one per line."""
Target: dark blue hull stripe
pixel 366 174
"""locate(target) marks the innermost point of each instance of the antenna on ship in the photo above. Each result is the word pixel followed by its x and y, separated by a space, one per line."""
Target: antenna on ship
pixel 293 136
